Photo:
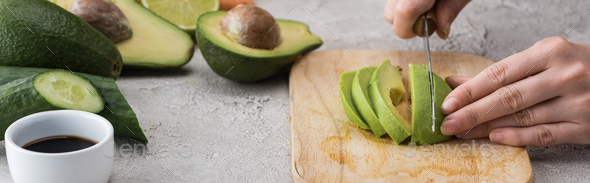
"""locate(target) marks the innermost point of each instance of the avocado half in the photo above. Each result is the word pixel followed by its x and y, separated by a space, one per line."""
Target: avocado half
pixel 237 62
pixel 155 43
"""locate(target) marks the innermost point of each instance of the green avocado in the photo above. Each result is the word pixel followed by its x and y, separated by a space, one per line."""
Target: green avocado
pixel 418 78
pixel 360 98
pixel 386 90
pixel 37 33
pixel 155 43
pixel 236 62
pixel 345 96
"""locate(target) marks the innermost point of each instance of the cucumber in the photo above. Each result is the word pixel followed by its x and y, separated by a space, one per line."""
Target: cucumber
pixel 46 91
pixel 65 90
pixel 122 117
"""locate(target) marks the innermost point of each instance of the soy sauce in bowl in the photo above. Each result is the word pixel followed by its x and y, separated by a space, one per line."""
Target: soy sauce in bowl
pixel 59 144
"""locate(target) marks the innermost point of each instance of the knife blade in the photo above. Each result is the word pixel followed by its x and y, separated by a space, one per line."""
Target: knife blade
pixel 421 28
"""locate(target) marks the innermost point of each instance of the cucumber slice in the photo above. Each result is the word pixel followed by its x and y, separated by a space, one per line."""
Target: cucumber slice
pixel 65 90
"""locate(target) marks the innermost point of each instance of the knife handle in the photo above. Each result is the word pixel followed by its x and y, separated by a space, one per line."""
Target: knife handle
pixel 419 24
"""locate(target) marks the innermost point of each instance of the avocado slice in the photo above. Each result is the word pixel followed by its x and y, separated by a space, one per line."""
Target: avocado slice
pixel 345 96
pixel 421 106
pixel 37 33
pixel 386 90
pixel 236 62
pixel 360 98
pixel 155 43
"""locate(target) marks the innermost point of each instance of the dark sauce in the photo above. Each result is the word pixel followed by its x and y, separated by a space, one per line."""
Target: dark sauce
pixel 59 144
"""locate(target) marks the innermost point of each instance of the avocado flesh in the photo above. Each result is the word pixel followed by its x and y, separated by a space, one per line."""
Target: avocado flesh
pixel 155 43
pixel 345 96
pixel 65 4
pixel 41 34
pixel 385 90
pixel 418 78
pixel 360 98
pixel 237 62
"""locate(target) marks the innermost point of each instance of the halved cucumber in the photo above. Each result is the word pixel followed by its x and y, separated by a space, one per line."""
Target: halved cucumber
pixel 65 90
pixel 49 90
pixel 118 111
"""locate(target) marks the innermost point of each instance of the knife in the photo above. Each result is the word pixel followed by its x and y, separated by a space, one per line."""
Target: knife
pixel 424 27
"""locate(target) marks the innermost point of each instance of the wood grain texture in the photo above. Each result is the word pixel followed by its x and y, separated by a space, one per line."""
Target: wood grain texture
pixel 327 147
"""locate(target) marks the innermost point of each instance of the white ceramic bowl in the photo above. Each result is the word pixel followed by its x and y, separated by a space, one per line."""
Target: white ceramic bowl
pixel 92 164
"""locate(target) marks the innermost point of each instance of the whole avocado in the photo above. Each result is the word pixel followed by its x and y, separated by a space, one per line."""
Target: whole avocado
pixel 38 33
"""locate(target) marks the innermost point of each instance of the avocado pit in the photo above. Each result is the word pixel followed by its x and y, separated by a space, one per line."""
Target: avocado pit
pixel 251 26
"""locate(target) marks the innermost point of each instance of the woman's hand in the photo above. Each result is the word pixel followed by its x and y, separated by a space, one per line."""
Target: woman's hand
pixel 404 13
pixel 538 97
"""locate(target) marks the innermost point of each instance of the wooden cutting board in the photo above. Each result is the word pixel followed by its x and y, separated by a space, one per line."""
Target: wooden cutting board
pixel 327 147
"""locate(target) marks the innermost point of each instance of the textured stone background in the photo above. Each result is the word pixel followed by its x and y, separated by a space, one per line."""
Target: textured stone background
pixel 239 132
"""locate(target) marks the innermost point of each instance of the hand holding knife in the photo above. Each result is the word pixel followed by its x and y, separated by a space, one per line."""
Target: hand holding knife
pixel 424 27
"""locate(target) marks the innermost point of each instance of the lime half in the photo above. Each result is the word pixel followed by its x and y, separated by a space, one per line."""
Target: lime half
pixel 183 13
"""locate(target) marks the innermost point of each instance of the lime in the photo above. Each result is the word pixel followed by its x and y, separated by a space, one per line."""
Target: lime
pixel 183 13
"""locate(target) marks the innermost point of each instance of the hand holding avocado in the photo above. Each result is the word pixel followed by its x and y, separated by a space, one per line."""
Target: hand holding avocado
pixel 538 97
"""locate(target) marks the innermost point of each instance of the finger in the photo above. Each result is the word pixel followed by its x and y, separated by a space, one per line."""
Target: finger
pixel 509 70
pixel 446 12
pixel 455 81
pixel 506 100
pixel 544 112
pixel 479 131
pixel 389 11
pixel 406 14
pixel 542 135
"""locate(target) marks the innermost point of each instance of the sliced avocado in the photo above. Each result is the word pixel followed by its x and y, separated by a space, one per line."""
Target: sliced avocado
pixel 236 62
pixel 385 90
pixel 37 33
pixel 360 98
pixel 418 78
pixel 345 96
pixel 155 43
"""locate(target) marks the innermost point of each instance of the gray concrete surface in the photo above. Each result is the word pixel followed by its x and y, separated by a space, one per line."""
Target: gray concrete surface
pixel 203 128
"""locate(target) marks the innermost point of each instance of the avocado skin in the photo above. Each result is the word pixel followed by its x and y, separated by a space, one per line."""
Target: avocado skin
pixel 245 69
pixel 75 44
